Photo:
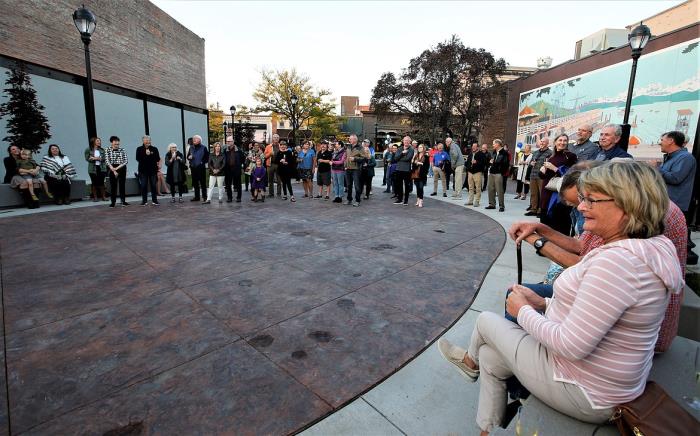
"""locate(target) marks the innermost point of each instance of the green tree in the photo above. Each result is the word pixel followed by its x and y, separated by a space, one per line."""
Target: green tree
pixel 26 123
pixel 216 124
pixel 449 87
pixel 274 94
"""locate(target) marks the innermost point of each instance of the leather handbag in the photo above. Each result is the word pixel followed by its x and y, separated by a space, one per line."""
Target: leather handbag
pixel 553 184
pixel 654 413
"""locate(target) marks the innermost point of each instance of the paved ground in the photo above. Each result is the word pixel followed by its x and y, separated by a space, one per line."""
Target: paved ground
pixel 233 318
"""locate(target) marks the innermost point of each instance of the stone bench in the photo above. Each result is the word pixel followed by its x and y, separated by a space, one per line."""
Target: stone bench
pixel 689 322
pixel 10 197
pixel 674 370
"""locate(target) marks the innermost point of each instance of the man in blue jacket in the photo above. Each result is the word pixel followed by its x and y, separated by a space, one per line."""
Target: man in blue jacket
pixel 198 155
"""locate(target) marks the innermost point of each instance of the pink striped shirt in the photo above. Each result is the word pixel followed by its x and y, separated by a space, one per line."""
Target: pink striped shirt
pixel 603 321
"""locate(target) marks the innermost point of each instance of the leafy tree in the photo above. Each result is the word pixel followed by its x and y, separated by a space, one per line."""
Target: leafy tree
pixel 216 124
pixel 275 91
pixel 26 124
pixel 449 87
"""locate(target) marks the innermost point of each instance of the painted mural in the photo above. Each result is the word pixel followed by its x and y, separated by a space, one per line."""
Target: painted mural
pixel 666 97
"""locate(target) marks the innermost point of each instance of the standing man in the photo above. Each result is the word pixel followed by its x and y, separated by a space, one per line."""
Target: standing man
pixel 584 148
pixel 538 159
pixel 476 162
pixel 498 169
pixel 355 158
pixel 609 137
pixel 148 158
pixel 439 159
pixel 198 156
pixel 116 163
pixel 233 162
pixel 485 174
pixel 457 162
pixel 402 174
pixel 385 162
pixel 678 171
pixel 271 151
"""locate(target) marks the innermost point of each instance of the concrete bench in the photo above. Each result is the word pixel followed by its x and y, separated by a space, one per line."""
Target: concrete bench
pixel 674 370
pixel 10 197
pixel 689 321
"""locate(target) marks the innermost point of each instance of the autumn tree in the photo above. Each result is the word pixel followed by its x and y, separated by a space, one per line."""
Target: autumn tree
pixel 274 94
pixel 27 125
pixel 450 86
pixel 216 124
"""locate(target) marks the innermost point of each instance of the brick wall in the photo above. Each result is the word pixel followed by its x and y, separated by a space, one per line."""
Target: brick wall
pixel 136 45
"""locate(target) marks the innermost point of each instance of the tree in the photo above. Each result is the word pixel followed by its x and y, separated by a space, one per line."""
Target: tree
pixel 450 87
pixel 216 124
pixel 275 91
pixel 27 125
pixel 324 125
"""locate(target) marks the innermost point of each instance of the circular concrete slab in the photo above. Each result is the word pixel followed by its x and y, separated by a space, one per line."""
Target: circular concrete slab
pixel 244 318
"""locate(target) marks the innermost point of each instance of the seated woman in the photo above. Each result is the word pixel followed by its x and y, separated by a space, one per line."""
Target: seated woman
pixel 15 179
pixel 593 347
pixel 58 171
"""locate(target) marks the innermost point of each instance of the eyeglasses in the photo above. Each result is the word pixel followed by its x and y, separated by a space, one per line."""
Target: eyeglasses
pixel 588 201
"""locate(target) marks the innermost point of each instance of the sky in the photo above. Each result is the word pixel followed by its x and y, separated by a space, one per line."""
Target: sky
pixel 345 46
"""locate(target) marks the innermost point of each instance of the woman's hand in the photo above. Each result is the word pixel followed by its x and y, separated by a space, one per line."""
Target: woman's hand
pixel 520 230
pixel 514 302
pixel 537 302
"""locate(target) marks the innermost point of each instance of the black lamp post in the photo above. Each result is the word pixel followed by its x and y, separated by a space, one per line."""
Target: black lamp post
pixel 294 100
pixel 86 22
pixel 225 127
pixel 638 40
pixel 233 125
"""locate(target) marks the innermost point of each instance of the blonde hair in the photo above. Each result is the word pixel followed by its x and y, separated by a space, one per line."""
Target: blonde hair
pixel 637 189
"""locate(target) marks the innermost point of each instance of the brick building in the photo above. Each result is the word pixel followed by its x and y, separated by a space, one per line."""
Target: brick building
pixel 148 72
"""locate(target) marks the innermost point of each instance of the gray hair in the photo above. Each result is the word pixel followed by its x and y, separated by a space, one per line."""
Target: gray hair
pixel 145 137
pixel 198 137
pixel 171 145
pixel 498 141
pixel 616 127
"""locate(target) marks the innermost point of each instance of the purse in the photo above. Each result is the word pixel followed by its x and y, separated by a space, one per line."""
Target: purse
pixel 553 184
pixel 654 413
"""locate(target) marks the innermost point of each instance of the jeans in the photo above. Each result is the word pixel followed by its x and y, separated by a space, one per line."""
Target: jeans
pixel 118 181
pixel 144 180
pixel 420 184
pixel 545 291
pixel 272 177
pixel 338 179
pixel 353 177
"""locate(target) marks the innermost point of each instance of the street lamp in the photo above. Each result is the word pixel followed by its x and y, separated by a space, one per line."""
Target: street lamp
pixel 638 39
pixel 85 21
pixel 233 125
pixel 225 127
pixel 294 100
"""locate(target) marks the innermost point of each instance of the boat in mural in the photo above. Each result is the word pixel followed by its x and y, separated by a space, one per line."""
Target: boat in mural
pixel 666 97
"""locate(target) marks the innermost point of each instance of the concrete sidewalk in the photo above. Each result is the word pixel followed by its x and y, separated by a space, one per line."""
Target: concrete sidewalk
pixel 428 396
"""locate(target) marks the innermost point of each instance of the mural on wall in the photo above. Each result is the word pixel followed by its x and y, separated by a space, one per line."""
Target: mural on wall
pixel 666 97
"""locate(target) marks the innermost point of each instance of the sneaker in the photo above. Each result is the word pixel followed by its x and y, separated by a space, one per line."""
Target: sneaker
pixel 206 202
pixel 293 199
pixel 194 199
pixel 490 207
pixel 35 198
pixel 433 194
pixel 319 196
pixel 238 200
pixel 444 194
pixel 523 198
pixel 337 200
pixel 405 203
pixel 326 197
pixel 348 203
pixel 284 198
pixel 181 200
pixel 356 204
pixel 306 195
pixel 173 200
pixel 111 205
pixel 516 197
pixel 156 203
pixel 501 209
pixel 143 203
pixel 229 200
pixel 398 202
pixel 366 197
pixel 125 204
pixel 48 194
pixel 531 213
pixel 454 355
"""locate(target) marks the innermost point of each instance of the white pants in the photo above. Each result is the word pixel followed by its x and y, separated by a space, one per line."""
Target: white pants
pixel 502 349
pixel 219 181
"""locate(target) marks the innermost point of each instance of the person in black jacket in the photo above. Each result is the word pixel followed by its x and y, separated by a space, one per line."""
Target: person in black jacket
pixel 175 163
pixel 420 165
pixel 403 158
pixel 198 156
pixel 498 169
pixel 233 162
pixel 147 156
pixel 286 167
pixel 475 164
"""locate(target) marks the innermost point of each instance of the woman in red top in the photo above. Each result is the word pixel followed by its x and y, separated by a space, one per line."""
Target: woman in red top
pixel 555 166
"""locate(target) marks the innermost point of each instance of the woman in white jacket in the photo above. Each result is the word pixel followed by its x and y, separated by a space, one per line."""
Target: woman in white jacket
pixel 523 174
pixel 58 172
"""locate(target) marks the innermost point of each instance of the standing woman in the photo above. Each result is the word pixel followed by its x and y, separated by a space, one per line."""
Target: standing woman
pixel 338 171
pixel 306 162
pixel 523 172
pixel 97 168
pixel 175 162
pixel 286 167
pixel 161 183
pixel 116 163
pixel 58 171
pixel 367 170
pixel 323 174
pixel 419 174
pixel 556 217
pixel 402 173
pixel 216 173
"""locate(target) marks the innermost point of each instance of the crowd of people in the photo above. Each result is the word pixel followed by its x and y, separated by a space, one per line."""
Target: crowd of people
pixel 583 340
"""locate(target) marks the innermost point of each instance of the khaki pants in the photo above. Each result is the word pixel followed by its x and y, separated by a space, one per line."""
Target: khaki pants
pixel 496 187
pixel 438 173
pixel 474 181
pixel 503 349
pixel 535 188
pixel 459 181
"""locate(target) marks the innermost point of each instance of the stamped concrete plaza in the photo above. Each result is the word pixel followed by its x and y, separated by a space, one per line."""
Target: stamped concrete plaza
pixel 227 318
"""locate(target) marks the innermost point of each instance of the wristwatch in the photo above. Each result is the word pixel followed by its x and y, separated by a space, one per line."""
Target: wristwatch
pixel 538 244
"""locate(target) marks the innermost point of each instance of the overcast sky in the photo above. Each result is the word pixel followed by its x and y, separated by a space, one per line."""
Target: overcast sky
pixel 346 46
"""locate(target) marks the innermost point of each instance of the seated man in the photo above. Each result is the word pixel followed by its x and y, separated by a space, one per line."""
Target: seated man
pixel 568 251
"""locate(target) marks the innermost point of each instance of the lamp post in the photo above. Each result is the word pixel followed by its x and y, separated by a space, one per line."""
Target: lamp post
pixel 85 21
pixel 233 125
pixel 294 100
pixel 638 40
pixel 225 127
